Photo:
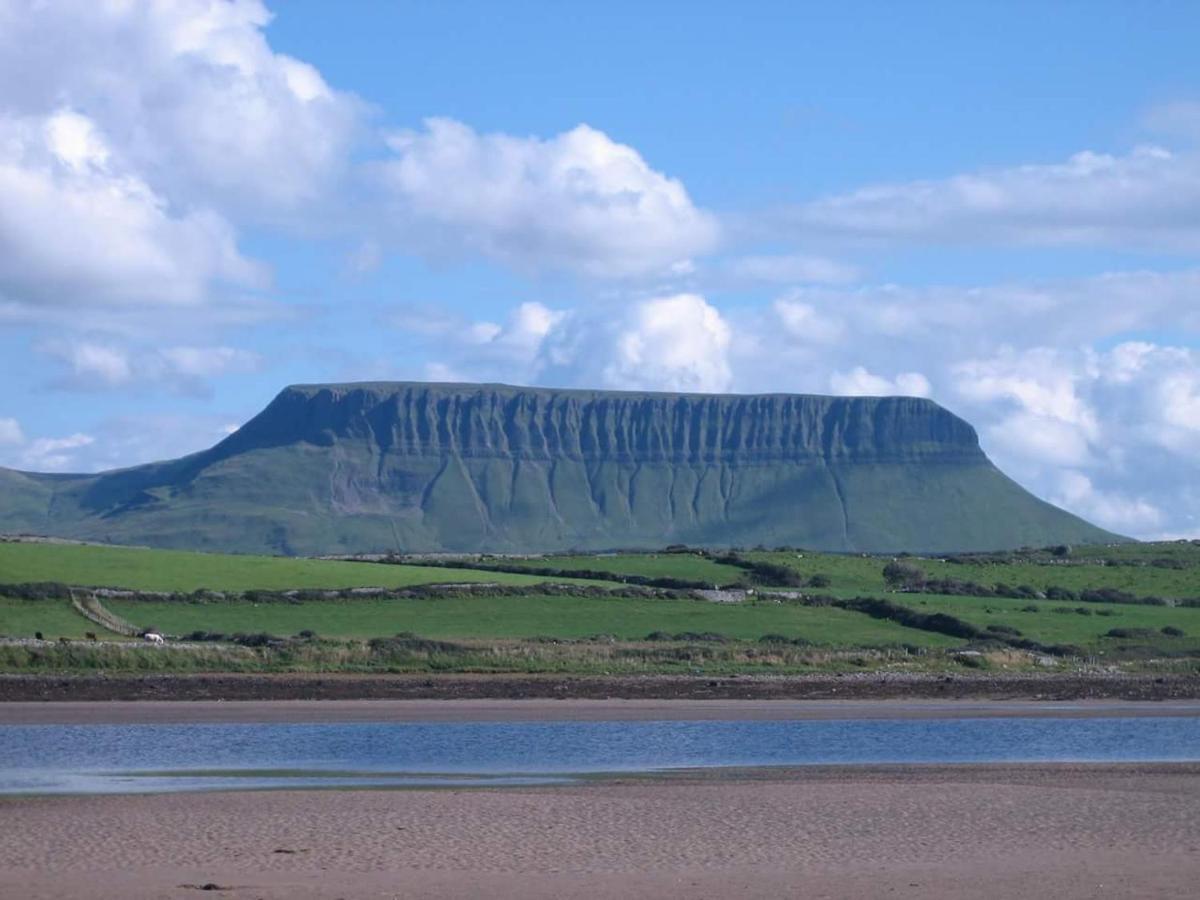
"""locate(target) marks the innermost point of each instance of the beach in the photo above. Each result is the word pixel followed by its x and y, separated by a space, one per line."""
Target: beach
pixel 1067 831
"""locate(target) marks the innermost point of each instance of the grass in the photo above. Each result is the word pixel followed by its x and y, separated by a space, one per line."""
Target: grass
pixel 177 570
pixel 864 574
pixel 431 657
pixel 1084 629
pixel 526 617
pixel 688 566
pixel 53 618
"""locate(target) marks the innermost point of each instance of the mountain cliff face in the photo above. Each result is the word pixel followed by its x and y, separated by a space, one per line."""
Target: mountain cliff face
pixel 428 467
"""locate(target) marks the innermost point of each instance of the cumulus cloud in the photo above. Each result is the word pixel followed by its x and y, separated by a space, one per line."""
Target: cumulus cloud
pixel 77 228
pixel 1147 198
pixel 189 92
pixel 859 382
pixel 677 343
pixel 577 201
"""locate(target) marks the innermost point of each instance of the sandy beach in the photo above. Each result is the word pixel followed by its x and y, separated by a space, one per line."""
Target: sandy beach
pixel 1064 831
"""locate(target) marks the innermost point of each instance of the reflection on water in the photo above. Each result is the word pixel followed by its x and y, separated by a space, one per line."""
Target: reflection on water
pixel 150 758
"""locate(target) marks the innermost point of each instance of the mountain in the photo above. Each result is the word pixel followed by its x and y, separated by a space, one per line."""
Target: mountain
pixel 464 467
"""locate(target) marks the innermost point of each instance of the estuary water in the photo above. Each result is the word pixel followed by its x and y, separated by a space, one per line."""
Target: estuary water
pixel 151 758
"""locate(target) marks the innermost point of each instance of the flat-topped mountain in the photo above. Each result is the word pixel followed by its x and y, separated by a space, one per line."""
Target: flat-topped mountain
pixel 467 467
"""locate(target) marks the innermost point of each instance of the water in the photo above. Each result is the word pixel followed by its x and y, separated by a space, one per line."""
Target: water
pixel 148 758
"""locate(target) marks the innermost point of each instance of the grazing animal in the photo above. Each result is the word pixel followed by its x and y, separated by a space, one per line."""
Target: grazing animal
pixel 153 638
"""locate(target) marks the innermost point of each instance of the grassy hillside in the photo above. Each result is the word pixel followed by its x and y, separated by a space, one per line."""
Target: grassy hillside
pixel 173 570
pixel 467 468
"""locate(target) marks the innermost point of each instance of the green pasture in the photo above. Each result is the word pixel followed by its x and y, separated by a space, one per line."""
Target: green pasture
pixel 525 617
pixel 690 566
pixel 1081 624
pixel 53 618
pixel 176 570
pixel 864 574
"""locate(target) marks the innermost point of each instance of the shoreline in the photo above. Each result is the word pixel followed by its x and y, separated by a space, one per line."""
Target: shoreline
pixel 1039 687
pixel 982 831
pixel 166 712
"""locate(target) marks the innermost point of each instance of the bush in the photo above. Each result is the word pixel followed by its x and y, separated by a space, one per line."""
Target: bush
pixel 819 581
pixel 1006 630
pixel 903 576
pixel 971 662
pixel 1172 631
pixel 1136 633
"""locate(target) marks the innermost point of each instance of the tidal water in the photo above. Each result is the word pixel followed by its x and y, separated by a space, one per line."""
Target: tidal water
pixel 151 758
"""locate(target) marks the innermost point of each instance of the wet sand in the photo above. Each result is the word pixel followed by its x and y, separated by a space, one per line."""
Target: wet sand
pixel 870 685
pixel 1064 831
pixel 539 710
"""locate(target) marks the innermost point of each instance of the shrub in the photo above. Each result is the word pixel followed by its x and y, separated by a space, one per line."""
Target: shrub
pixel 1172 631
pixel 819 581
pixel 903 576
pixel 1138 633
pixel 1006 630
pixel 971 662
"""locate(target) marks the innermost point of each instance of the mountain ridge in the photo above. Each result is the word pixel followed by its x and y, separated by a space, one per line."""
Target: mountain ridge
pixel 376 466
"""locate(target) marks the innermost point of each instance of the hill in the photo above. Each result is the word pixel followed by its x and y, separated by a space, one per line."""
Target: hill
pixel 457 467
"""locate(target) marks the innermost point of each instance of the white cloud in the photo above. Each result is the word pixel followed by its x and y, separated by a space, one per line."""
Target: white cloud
pixel 1148 198
pixel 208 362
pixel 859 382
pixel 578 201
pixel 93 365
pixel 118 442
pixel 677 343
pixel 10 432
pixel 189 92
pixel 77 229
pixel 1111 510
pixel 52 454
pixel 802 321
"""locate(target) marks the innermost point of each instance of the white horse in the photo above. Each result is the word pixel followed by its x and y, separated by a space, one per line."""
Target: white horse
pixel 153 638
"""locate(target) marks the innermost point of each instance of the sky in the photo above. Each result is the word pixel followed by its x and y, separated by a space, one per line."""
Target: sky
pixel 993 205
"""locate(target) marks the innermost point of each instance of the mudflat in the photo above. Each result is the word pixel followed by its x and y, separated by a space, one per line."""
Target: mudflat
pixel 452 686
pixel 127 712
pixel 1067 831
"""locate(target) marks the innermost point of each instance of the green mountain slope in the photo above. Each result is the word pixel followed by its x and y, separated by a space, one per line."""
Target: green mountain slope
pixel 427 467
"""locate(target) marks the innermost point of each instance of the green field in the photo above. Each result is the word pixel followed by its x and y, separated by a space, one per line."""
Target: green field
pixel 177 570
pixel 865 573
pixel 1080 624
pixel 597 619
pixel 53 618
pixel 688 566
pixel 527 617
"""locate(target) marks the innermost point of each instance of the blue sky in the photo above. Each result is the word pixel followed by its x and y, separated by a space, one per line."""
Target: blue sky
pixel 994 205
